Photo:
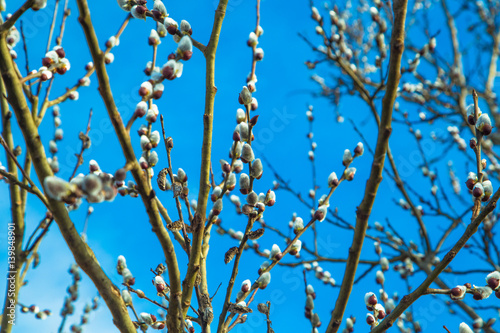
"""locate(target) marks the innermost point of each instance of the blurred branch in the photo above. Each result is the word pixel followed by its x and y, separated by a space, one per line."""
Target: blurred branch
pixel 16 208
pixel 81 252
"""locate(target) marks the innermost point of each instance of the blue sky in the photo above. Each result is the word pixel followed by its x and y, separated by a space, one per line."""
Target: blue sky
pixel 284 92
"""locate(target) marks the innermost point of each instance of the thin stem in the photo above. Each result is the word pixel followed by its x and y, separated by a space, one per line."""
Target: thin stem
pixel 52 25
pixel 85 139
pixel 15 182
pixel 223 325
pixel 477 150
pixel 178 204
pixel 32 188
pixel 67 12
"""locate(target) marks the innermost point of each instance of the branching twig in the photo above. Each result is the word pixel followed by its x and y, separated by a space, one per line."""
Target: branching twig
pixel 32 188
pixel 85 144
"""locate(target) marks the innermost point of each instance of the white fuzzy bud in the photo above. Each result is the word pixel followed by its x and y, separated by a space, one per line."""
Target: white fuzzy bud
pixel 464 328
pixel 263 280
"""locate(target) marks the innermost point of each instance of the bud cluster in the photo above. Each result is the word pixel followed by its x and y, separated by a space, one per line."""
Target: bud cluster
pixel 478 325
pixel 241 151
pixel 149 320
pixel 309 307
pixel 121 268
pixel 78 328
pixel 153 88
pixel 96 186
pixel 482 122
pixel 455 134
pixel 482 190
pixel 129 189
pixel 161 287
pixel 258 55
pixel 320 273
pixel 377 309
pixel 337 40
pixel 405 269
pixel 39 314
pixel 180 184
pixel 68 308
pixel 238 235
pixel 165 25
pixel 55 61
pixel 455 182
pixel 256 203
pixel 418 92
pixel 58 135
pixel 349 172
pixel 148 141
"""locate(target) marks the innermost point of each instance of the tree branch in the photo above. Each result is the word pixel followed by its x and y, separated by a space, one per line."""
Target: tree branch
pixel 146 192
pixel 12 20
pixel 198 224
pixel 16 207
pixel 364 209
pixel 407 300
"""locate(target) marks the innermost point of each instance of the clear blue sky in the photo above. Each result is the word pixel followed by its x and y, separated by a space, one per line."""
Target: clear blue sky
pixel 284 92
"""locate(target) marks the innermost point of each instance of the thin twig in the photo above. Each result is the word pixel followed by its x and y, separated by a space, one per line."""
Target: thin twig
pixel 52 25
pixel 85 144
pixel 33 187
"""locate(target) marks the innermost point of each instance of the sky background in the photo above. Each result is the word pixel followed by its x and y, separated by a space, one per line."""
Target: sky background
pixel 284 90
